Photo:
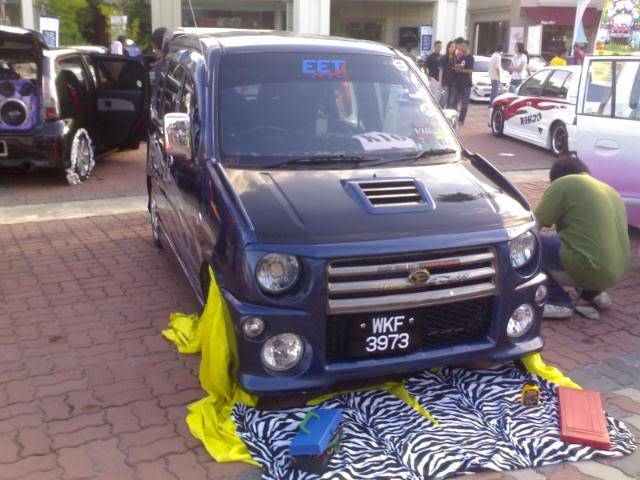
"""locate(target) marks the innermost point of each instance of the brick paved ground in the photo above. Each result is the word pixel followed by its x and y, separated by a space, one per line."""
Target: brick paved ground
pixel 90 389
pixel 117 175
pixel 123 174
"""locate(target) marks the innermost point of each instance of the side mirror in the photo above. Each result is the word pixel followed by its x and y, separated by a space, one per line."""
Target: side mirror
pixel 452 117
pixel 177 136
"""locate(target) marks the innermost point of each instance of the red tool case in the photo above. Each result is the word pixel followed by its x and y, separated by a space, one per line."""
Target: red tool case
pixel 582 419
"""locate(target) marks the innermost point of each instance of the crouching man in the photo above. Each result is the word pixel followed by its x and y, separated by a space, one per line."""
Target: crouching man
pixel 591 250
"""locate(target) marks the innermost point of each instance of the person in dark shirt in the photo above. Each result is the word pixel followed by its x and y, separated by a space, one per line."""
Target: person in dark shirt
pixel 446 75
pixel 432 63
pixel 463 69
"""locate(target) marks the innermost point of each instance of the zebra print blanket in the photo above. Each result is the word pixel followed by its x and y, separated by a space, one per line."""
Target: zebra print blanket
pixel 484 427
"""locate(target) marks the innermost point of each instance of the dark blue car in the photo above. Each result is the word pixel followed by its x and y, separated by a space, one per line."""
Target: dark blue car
pixel 352 236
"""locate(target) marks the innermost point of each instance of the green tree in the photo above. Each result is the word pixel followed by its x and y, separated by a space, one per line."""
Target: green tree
pixel 72 15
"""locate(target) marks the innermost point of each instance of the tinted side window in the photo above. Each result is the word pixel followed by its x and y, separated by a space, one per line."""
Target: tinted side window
pixel 73 71
pixel 599 91
pixel 189 104
pixel 119 74
pixel 533 86
pixel 172 85
pixel 555 86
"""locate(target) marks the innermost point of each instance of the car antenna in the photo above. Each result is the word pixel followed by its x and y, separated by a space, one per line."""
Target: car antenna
pixel 195 24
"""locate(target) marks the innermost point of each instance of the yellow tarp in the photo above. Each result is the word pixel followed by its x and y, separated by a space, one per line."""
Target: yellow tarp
pixel 210 419
pixel 534 364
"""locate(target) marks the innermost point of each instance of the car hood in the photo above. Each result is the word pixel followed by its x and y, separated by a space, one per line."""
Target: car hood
pixel 327 206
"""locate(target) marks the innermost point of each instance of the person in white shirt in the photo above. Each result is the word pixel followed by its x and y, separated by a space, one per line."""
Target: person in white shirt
pixel 494 71
pixel 518 67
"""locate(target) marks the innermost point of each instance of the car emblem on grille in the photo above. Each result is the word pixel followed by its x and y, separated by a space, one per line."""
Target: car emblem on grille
pixel 420 277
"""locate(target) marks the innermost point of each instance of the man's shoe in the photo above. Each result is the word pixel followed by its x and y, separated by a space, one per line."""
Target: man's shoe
pixel 588 312
pixel 602 301
pixel 557 311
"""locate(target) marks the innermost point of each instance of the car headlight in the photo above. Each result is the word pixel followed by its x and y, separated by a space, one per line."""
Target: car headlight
pixel 521 321
pixel 277 272
pixel 282 352
pixel 522 249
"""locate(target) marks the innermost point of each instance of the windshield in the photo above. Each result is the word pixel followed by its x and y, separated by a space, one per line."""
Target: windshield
pixel 279 106
pixel 480 66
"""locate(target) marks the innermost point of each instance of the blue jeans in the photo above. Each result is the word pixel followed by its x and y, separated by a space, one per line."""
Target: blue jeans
pixel 495 89
pixel 461 95
pixel 552 265
pixel 514 84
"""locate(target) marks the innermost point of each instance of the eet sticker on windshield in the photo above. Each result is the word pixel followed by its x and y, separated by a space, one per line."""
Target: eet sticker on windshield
pixel 323 68
pixel 384 141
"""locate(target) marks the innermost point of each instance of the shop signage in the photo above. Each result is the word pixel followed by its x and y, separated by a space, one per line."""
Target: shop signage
pixel 426 39
pixel 50 29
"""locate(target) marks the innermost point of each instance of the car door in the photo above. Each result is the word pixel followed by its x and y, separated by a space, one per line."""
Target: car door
pixel 187 178
pixel 551 107
pixel 607 123
pixel 161 162
pixel 122 94
pixel 519 112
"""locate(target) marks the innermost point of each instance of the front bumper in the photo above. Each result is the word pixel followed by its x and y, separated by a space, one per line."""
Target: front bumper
pixel 315 373
pixel 42 147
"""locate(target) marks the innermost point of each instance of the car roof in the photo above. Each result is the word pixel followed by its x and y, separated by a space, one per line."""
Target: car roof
pixel 569 68
pixel 231 40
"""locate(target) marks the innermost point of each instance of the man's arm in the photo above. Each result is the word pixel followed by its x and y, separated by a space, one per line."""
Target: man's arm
pixel 551 207
pixel 469 64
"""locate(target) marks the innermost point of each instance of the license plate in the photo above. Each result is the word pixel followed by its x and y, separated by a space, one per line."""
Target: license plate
pixel 383 334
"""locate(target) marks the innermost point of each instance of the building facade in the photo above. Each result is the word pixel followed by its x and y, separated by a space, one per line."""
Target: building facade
pixel 543 25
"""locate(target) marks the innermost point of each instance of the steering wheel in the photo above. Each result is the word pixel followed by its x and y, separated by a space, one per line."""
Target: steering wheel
pixel 269 128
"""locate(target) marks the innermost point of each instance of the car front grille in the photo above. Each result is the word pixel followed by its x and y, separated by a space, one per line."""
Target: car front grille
pixel 382 284
pixel 438 326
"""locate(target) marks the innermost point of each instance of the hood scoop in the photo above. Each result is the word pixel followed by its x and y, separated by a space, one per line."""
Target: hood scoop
pixel 391 195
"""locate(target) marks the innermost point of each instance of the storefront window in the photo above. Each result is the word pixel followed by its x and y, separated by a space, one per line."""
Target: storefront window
pixel 489 34
pixel 208 15
pixel 556 36
pixel 370 30
pixel 12 14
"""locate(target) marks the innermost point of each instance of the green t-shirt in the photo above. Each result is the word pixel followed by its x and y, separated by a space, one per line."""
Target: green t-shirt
pixel 591 219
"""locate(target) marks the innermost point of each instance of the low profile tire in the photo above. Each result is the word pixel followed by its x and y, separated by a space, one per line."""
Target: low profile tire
pixel 156 229
pixel 497 122
pixel 559 139
pixel 81 158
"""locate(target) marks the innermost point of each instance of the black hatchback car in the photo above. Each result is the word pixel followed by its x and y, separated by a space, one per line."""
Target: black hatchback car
pixel 62 108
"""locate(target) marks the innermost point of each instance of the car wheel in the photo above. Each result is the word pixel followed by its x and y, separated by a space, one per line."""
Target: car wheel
pixel 559 139
pixel 497 122
pixel 156 229
pixel 81 158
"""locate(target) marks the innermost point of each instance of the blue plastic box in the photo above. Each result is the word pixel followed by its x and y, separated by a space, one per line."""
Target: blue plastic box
pixel 317 439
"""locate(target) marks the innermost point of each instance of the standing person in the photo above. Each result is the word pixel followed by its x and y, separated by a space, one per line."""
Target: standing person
pixel 495 67
pixel 518 66
pixel 591 249
pixel 462 80
pixel 560 60
pixel 117 47
pixel 447 61
pixel 578 54
pixel 432 64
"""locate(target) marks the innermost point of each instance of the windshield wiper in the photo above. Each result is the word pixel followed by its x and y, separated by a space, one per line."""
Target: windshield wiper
pixel 429 153
pixel 327 160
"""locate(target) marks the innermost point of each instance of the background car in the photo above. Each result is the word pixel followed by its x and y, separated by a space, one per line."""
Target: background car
pixel 540 110
pixel 605 135
pixel 481 84
pixel 535 63
pixel 62 107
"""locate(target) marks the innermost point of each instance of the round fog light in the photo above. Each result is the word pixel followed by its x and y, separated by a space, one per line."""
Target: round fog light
pixel 541 294
pixel 282 352
pixel 521 321
pixel 253 327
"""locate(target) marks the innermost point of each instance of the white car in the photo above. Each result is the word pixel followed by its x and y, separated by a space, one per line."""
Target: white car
pixel 605 134
pixel 481 84
pixel 541 109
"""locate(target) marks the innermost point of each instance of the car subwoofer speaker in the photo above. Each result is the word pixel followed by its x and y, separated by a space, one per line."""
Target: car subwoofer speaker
pixel 18 105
